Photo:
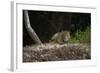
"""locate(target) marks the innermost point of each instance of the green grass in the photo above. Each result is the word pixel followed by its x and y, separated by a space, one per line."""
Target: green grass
pixel 81 36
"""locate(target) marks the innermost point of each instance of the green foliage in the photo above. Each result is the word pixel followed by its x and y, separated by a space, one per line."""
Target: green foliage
pixel 81 36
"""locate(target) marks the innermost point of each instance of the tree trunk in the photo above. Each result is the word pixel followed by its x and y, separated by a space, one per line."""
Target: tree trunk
pixel 30 30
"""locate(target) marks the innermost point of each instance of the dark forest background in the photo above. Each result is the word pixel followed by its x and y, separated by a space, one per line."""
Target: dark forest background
pixel 47 23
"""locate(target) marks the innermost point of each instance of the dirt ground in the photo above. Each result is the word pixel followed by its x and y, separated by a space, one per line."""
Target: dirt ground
pixel 56 52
